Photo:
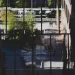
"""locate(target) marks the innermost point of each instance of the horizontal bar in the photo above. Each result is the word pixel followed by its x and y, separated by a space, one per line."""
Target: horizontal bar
pixel 42 34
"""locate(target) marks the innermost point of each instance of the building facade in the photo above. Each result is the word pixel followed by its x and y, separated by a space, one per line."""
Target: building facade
pixel 72 30
pixel 65 17
pixel 67 6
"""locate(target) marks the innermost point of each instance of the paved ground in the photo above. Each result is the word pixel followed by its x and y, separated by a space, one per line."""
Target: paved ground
pixel 13 63
pixel 19 68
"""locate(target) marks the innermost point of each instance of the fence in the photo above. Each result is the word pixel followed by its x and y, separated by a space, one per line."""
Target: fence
pixel 22 56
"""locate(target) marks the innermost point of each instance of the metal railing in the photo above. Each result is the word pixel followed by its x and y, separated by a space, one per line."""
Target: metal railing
pixel 56 50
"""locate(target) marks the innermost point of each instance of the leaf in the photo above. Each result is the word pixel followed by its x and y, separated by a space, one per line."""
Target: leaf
pixel 49 2
pixel 11 19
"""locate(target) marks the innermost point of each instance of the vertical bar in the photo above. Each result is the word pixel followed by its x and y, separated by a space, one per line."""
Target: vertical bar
pixel 68 51
pixel 45 3
pixel 32 54
pixel 33 44
pixel 14 49
pixel 31 4
pixel 0 54
pixel 6 21
pixel 35 4
pixel 58 16
pixel 41 19
pixel 64 56
pixel 6 16
pixel 15 62
pixel 50 57
pixel 23 15
pixel 23 6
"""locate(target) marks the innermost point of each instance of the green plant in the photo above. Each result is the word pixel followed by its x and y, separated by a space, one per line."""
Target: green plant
pixel 10 17
pixel 49 2
pixel 28 24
